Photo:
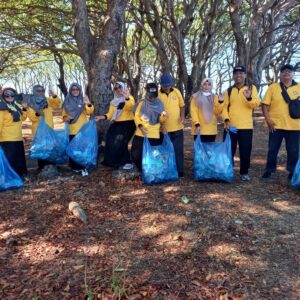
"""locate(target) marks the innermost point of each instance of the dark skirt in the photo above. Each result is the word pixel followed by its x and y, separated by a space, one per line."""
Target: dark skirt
pixel 116 152
pixel 72 164
pixel 15 154
pixel 137 149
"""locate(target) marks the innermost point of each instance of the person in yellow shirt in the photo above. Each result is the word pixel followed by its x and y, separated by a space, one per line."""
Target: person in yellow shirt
pixel 76 111
pixel 38 106
pixel 11 116
pixel 279 122
pixel 174 106
pixel 239 102
pixel 149 114
pixel 121 130
pixel 204 109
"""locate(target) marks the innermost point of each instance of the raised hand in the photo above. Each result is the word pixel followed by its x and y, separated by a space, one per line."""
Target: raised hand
pixel 247 93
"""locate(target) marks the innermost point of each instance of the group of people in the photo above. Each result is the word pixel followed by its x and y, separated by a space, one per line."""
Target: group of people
pixel 162 112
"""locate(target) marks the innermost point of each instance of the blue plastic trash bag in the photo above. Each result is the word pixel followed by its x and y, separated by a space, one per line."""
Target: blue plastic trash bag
pixel 295 181
pixel 213 161
pixel 9 179
pixel 49 144
pixel 158 162
pixel 83 148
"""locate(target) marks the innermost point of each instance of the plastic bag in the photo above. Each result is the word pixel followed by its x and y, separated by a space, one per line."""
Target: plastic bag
pixel 295 181
pixel 9 179
pixel 49 144
pixel 83 148
pixel 158 162
pixel 213 161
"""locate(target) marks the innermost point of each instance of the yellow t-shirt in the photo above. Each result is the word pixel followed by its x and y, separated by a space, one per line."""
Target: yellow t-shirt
pixel 126 114
pixel 83 118
pixel 278 108
pixel 239 110
pixel 152 130
pixel 11 131
pixel 198 117
pixel 48 113
pixel 173 102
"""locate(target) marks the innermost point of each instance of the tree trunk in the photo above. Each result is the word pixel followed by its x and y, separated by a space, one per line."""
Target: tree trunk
pixel 99 52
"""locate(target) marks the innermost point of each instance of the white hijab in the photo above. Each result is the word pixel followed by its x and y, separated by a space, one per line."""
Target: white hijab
pixel 118 99
pixel 205 101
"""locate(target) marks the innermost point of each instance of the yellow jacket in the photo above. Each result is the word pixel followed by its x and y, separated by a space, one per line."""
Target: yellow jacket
pixel 198 118
pixel 173 102
pixel 278 108
pixel 238 110
pixel 83 118
pixel 48 113
pixel 11 131
pixel 126 114
pixel 152 130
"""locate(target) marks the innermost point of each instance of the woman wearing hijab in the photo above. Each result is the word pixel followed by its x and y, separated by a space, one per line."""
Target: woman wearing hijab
pixel 121 130
pixel 205 108
pixel 39 106
pixel 149 116
pixel 11 116
pixel 76 111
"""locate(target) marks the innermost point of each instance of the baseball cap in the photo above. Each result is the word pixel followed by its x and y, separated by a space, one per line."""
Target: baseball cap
pixel 287 67
pixel 239 69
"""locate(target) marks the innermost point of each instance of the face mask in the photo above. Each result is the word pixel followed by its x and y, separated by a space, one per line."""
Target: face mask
pixel 206 94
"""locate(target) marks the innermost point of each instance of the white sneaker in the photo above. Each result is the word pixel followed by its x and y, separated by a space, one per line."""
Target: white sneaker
pixel 127 167
pixel 84 172
pixel 245 177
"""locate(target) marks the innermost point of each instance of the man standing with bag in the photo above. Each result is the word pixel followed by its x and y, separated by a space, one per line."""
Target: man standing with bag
pixel 174 105
pixel 239 102
pixel 281 111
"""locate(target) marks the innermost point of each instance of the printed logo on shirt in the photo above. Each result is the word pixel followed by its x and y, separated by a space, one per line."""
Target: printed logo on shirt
pixel 174 98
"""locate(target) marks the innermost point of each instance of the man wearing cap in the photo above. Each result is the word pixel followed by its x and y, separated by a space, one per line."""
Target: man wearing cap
pixel 149 114
pixel 174 105
pixel 239 102
pixel 279 121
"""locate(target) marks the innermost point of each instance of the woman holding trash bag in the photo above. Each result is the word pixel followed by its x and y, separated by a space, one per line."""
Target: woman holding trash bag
pixel 76 111
pixel 149 116
pixel 39 106
pixel 121 130
pixel 11 116
pixel 205 108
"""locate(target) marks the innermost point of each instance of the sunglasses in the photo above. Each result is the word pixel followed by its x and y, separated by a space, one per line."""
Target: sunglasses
pixel 9 95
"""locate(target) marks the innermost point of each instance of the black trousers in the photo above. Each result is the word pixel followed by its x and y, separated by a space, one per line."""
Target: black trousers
pixel 292 147
pixel 243 138
pixel 137 149
pixel 209 138
pixel 116 152
pixel 177 139
pixel 15 154
pixel 72 164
